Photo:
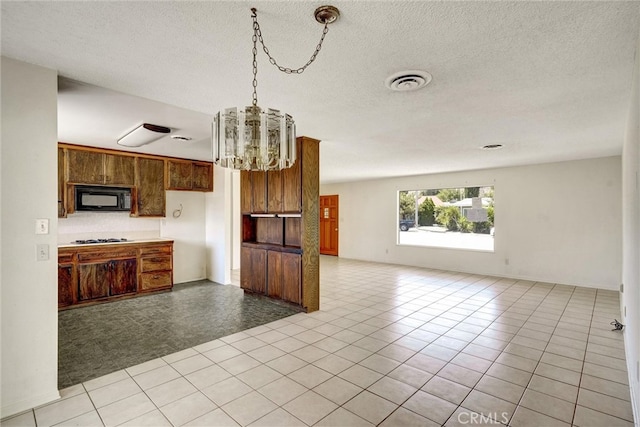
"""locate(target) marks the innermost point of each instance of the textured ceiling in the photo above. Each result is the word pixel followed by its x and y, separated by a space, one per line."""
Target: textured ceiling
pixel 548 80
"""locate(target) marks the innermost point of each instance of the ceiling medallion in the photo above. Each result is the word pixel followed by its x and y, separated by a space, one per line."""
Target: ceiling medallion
pixel 257 140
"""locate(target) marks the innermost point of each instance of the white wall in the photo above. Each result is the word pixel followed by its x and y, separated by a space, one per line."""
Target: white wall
pixel 219 213
pixel 557 222
pixel 631 237
pixel 29 367
pixel 188 232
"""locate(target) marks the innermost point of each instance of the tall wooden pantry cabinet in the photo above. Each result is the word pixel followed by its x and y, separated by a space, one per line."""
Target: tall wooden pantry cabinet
pixel 280 229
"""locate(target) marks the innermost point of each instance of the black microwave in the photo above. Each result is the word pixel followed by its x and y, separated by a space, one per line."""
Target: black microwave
pixel 96 198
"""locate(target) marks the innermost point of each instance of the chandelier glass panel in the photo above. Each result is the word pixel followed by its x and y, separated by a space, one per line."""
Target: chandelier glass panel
pixel 253 139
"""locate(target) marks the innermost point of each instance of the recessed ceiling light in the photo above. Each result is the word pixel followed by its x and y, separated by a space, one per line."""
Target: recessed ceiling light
pixel 181 138
pixel 405 81
pixel 492 147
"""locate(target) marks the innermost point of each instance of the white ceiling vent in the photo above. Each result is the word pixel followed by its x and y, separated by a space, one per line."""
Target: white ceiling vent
pixel 405 81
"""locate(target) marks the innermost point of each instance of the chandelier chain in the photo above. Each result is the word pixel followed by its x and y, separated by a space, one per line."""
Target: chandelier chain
pixel 255 64
pixel 258 33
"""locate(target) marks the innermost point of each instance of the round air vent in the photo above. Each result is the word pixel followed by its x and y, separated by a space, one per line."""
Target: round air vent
pixel 405 81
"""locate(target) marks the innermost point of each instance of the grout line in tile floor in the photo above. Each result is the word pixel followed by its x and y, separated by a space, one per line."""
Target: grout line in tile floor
pixel 391 346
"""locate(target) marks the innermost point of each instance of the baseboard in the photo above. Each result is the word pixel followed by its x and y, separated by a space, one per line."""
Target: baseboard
pixel 10 409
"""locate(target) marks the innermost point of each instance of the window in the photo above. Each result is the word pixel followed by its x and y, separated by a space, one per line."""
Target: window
pixel 460 218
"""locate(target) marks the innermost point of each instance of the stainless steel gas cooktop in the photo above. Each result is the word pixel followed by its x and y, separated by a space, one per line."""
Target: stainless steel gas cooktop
pixel 94 241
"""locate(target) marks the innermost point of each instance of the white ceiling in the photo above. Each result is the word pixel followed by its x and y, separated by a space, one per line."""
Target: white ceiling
pixel 548 80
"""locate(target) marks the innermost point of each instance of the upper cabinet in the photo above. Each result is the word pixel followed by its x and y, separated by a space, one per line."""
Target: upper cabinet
pixel 150 195
pixel 273 191
pixel 91 167
pixel 189 175
pixel 147 175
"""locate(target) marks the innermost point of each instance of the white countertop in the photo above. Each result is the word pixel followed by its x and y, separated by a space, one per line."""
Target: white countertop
pixel 144 240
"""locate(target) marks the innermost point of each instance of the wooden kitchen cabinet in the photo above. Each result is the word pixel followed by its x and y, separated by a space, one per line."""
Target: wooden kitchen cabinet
pixel 246 202
pixel 107 271
pixel 123 276
pixel 255 262
pixel 202 176
pixel 292 186
pixel 119 170
pixel 283 275
pixel 156 267
pixel 274 191
pixel 94 167
pixel 90 274
pixel 150 197
pixel 280 229
pixel 66 277
pixel 93 280
pixel 291 277
pixel 189 175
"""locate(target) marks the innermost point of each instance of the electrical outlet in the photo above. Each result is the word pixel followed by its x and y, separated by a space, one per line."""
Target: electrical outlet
pixel 42 226
pixel 42 252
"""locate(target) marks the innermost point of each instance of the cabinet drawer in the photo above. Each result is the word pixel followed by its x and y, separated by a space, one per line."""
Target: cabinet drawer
pixel 155 263
pixel 65 258
pixel 107 255
pixel 156 280
pixel 152 250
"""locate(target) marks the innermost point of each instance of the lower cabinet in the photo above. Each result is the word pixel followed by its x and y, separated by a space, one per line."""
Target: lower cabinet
pixel 253 265
pixel 271 272
pixel 65 284
pixel 99 273
pixel 100 279
pixel 156 269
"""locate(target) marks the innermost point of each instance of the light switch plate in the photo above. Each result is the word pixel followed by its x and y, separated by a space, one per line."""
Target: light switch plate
pixel 42 252
pixel 42 226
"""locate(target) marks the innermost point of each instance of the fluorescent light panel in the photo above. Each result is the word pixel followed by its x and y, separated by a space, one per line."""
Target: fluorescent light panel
pixel 143 134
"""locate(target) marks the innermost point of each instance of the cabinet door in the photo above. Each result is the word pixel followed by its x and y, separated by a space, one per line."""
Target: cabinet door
pixel 274 274
pixel 180 175
pixel 253 269
pixel 291 277
pixel 292 188
pixel 62 206
pixel 65 284
pixel 274 191
pixel 246 194
pixel 119 170
pixel 124 277
pixel 85 167
pixel 203 176
pixel 93 280
pixel 150 187
pixel 259 191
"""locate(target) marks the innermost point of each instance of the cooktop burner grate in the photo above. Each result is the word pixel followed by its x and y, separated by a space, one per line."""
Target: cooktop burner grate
pixel 94 241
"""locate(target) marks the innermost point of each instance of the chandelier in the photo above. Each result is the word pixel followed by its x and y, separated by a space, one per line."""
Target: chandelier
pixel 256 139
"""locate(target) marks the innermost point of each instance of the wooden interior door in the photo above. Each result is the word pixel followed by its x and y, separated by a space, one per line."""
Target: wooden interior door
pixel 329 225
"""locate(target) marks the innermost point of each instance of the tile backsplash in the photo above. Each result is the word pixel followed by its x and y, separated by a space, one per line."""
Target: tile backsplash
pixel 102 225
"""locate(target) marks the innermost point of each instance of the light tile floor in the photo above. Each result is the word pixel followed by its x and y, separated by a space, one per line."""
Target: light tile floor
pixel 391 346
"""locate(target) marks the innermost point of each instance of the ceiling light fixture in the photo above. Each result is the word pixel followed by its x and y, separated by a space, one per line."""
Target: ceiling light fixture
pixel 253 139
pixel 143 134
